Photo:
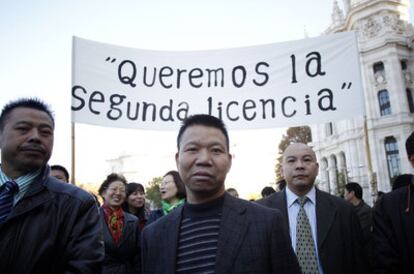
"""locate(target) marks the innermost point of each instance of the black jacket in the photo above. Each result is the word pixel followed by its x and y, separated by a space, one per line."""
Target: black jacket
pixel 124 258
pixel 393 232
pixel 54 228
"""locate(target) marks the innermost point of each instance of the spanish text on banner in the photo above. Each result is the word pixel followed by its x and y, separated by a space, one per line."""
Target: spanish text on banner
pixel 276 85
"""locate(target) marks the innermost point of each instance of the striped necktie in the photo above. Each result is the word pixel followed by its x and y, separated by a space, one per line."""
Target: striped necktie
pixel 7 192
pixel 305 246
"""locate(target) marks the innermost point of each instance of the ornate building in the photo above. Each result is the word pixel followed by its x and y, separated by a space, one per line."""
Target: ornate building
pixel 371 150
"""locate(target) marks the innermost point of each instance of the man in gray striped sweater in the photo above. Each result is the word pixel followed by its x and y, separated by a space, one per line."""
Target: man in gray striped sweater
pixel 214 232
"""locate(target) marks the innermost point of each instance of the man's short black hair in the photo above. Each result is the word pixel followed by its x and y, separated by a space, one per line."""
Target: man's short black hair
pixel 401 181
pixel 267 190
pixel 203 120
pixel 34 103
pixel 356 188
pixel 409 144
pixel 61 168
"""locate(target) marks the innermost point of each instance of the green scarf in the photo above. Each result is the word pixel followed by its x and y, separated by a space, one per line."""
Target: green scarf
pixel 167 208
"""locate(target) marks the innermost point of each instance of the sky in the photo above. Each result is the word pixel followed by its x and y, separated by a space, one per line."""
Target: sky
pixel 35 60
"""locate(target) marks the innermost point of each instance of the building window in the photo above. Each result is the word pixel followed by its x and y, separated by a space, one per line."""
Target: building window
pixel 403 65
pixel 329 129
pixel 384 102
pixel 393 158
pixel 410 99
pixel 378 67
pixel 379 73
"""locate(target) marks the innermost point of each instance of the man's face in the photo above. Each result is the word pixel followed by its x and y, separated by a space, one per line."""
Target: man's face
pixel 411 159
pixel 299 168
pixel 203 162
pixel 59 174
pixel 348 195
pixel 26 141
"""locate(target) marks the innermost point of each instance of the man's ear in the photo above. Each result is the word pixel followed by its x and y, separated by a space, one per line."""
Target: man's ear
pixel 410 157
pixel 231 161
pixel 176 159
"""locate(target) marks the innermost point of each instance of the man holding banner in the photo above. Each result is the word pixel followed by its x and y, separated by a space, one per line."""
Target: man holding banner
pixel 45 226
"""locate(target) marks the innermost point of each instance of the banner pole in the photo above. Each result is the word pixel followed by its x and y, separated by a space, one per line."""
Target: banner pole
pixel 73 179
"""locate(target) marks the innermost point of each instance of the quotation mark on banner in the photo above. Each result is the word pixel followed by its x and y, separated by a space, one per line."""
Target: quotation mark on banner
pixel 344 85
pixel 109 58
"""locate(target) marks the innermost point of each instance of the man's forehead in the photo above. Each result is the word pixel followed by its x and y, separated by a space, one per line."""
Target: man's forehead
pixel 298 150
pixel 21 114
pixel 195 130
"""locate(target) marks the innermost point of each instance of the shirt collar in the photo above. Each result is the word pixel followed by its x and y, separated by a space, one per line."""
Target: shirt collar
pixel 291 197
pixel 22 181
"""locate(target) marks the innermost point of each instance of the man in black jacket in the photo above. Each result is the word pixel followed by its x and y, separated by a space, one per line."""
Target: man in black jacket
pixel 393 227
pixel 45 226
pixel 214 232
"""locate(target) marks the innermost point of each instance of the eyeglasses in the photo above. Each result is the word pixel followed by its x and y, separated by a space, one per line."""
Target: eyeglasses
pixel 116 189
pixel 166 183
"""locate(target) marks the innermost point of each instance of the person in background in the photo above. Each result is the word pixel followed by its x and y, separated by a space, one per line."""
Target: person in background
pixel 393 226
pixel 45 226
pixel 120 229
pixel 267 190
pixel 135 203
pixel 173 195
pixel 233 192
pixel 60 173
pixel 353 194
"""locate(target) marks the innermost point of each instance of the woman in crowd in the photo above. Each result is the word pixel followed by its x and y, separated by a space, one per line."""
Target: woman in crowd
pixel 135 203
pixel 172 191
pixel 120 229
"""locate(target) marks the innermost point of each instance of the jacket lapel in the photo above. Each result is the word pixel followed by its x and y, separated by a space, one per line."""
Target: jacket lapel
pixel 36 195
pixel 170 235
pixel 128 228
pixel 325 215
pixel 281 204
pixel 233 228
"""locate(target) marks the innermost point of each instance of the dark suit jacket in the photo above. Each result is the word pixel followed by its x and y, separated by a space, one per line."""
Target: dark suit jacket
pixel 393 234
pixel 252 239
pixel 338 231
pixel 126 257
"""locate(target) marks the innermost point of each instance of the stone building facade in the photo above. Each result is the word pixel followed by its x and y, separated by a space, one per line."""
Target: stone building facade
pixel 370 150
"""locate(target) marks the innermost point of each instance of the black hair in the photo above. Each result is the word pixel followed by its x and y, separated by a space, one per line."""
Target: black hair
pixel 267 190
pixel 401 181
pixel 203 120
pixel 132 187
pixel 61 168
pixel 281 184
pixel 110 179
pixel 356 188
pixel 34 103
pixel 181 194
pixel 409 144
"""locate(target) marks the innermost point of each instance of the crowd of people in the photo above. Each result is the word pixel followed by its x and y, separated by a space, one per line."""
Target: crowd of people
pixel 50 226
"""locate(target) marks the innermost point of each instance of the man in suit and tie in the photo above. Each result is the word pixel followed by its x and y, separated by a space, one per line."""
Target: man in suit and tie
pixel 214 232
pixel 324 229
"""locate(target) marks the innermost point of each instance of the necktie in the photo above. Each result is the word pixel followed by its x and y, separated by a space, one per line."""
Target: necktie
pixel 6 199
pixel 305 246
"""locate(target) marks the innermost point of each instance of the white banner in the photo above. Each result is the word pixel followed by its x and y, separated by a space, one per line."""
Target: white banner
pixel 277 85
